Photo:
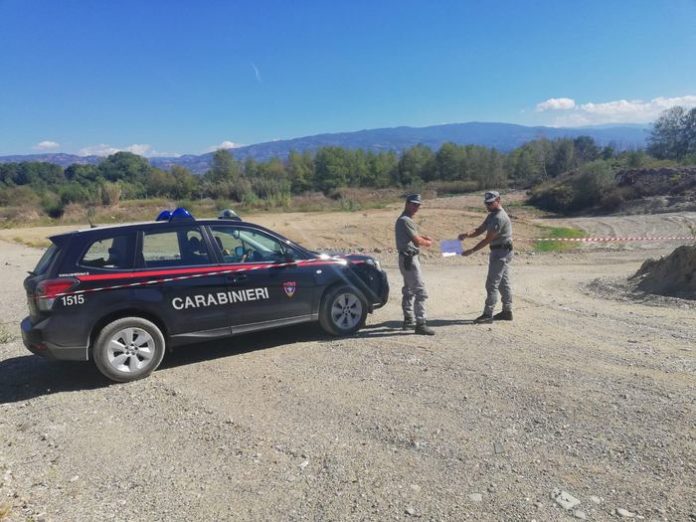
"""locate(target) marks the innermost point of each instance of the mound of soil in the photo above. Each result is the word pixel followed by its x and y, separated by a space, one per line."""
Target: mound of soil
pixel 674 275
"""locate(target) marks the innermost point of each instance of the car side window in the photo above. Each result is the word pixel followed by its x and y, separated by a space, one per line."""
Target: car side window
pixel 179 247
pixel 241 245
pixel 110 252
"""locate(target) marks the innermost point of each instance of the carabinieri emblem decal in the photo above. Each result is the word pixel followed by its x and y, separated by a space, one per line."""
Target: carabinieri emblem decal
pixel 289 287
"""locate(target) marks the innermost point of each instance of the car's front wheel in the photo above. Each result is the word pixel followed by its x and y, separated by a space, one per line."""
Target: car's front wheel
pixel 343 311
pixel 128 349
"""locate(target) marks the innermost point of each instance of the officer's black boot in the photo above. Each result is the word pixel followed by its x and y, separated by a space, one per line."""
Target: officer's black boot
pixel 408 324
pixel 505 315
pixel 424 329
pixel 484 318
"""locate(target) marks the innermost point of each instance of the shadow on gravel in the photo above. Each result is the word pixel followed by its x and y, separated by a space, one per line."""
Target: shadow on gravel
pixel 393 328
pixel 29 376
pixel 26 377
pixel 240 344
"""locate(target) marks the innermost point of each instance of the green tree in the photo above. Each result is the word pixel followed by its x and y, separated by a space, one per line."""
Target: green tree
pixel 300 171
pixel 225 167
pixel 82 173
pixel 586 149
pixel 415 165
pixel 331 169
pixel 160 183
pixel 448 162
pixel 563 158
pixel 185 183
pixel 673 135
pixel 124 166
pixel 381 168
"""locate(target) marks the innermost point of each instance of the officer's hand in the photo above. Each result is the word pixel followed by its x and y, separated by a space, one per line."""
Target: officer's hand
pixel 462 236
pixel 468 252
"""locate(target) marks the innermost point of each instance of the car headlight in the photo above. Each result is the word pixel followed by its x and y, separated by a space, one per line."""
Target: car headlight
pixel 374 262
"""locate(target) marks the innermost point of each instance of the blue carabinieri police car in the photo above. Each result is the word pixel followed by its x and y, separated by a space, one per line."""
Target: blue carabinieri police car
pixel 121 295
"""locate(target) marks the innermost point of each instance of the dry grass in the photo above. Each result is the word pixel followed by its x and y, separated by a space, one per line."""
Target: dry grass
pixel 5 335
pixel 364 229
pixel 5 510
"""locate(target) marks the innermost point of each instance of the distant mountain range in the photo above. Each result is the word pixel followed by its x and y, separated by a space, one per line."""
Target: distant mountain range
pixel 501 136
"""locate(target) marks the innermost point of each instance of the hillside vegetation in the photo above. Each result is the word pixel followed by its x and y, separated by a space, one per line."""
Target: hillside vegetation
pixel 564 175
pixel 663 170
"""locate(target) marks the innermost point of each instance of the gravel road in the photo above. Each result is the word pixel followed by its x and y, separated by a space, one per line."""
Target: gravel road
pixel 586 392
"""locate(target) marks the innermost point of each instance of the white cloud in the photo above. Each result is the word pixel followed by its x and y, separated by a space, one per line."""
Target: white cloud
pixel 555 104
pixel 224 145
pixel 139 149
pixel 618 111
pixel 46 145
pixel 98 150
pixel 256 72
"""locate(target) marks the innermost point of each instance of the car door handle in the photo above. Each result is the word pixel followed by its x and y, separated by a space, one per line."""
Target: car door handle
pixel 237 278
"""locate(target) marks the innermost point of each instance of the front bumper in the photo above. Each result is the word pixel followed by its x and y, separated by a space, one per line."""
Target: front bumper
pixel 35 342
pixel 384 290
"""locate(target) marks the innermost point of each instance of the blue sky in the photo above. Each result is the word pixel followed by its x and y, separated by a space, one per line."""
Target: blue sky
pixel 178 77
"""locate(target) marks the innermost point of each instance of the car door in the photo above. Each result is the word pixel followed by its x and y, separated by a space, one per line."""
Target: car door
pixel 187 284
pixel 267 267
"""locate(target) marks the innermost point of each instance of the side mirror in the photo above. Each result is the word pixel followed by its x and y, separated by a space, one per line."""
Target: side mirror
pixel 286 255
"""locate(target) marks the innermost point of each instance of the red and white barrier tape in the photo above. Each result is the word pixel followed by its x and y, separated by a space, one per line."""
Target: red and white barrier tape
pixel 608 239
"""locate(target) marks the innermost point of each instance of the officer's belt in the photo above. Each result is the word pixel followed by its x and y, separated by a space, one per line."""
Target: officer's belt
pixel 506 246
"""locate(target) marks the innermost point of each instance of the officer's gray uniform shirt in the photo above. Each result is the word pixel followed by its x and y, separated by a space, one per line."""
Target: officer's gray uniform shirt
pixel 500 223
pixel 413 292
pixel 405 229
pixel 499 262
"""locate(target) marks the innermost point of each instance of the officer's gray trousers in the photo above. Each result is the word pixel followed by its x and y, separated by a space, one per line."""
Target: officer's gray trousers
pixel 413 291
pixel 498 280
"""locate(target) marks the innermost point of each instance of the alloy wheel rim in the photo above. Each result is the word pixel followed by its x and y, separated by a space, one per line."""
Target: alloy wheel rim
pixel 346 311
pixel 130 350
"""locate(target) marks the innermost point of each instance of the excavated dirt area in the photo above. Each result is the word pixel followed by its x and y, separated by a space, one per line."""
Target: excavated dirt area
pixel 589 391
pixel 673 275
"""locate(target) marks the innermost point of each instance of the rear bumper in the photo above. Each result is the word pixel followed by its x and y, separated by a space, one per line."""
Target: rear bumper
pixel 35 342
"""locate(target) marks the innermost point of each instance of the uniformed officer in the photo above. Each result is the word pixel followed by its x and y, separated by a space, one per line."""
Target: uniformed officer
pixel 408 244
pixel 498 230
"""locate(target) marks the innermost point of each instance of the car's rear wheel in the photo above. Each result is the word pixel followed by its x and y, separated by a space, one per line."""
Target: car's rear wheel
pixel 343 311
pixel 128 349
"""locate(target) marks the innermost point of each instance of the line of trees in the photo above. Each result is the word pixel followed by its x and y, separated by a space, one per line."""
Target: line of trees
pixel 452 168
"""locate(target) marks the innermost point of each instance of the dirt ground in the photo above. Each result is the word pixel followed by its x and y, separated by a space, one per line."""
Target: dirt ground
pixel 589 390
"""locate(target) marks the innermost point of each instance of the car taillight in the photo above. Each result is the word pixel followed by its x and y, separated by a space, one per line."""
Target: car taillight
pixel 47 291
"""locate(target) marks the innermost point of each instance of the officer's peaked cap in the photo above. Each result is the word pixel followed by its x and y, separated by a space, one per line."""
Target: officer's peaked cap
pixel 414 198
pixel 491 195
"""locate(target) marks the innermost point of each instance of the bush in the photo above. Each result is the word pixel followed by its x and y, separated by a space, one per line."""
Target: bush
pixel 454 187
pixel 577 190
pixel 110 193
pixel 52 205
pixel 73 193
pixel 22 196
pixel 612 200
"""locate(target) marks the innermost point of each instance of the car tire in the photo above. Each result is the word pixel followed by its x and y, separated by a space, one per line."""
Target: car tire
pixel 343 310
pixel 128 349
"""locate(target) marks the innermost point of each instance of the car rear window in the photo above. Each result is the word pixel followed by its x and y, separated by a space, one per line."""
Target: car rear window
pixel 46 259
pixel 181 247
pixel 110 252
